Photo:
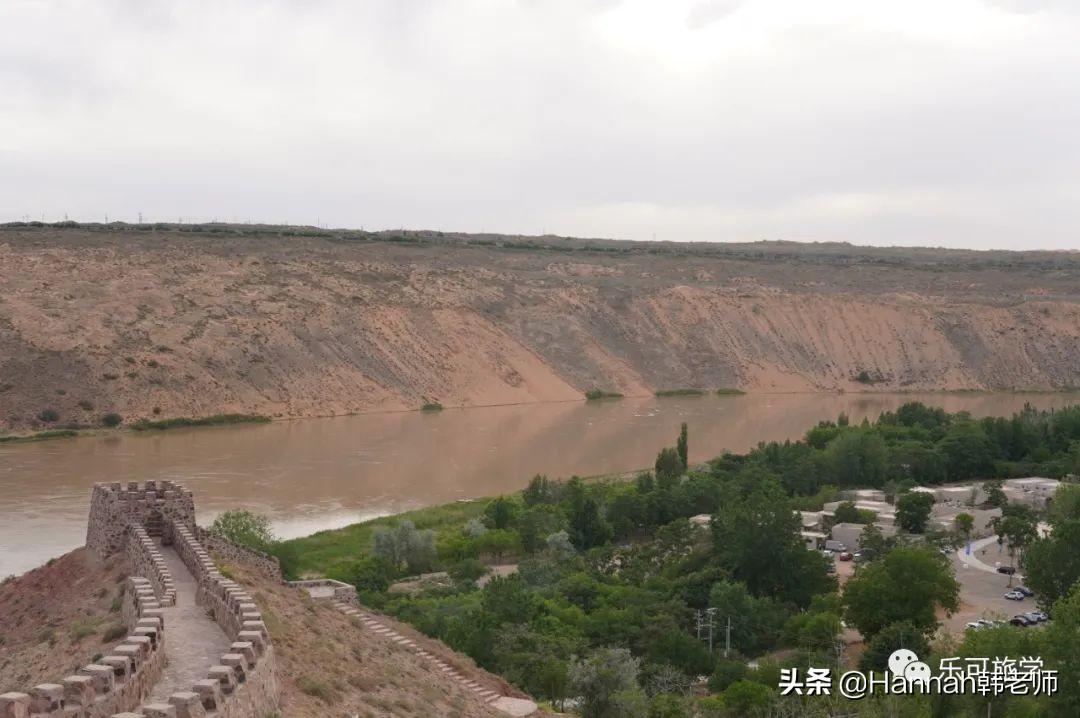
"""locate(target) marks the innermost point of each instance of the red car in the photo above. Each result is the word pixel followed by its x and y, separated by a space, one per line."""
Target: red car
pixel 845 556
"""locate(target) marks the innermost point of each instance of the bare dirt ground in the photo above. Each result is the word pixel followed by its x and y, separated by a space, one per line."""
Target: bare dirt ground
pixel 56 618
pixel 308 322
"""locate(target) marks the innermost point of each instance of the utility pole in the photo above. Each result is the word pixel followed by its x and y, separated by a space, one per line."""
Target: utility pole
pixel 727 638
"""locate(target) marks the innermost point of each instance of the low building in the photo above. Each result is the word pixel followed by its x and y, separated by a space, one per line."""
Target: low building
pixel 811 520
pixel 849 534
pixel 815 540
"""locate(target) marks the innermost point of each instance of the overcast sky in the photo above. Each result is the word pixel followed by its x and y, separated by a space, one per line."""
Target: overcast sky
pixel 944 122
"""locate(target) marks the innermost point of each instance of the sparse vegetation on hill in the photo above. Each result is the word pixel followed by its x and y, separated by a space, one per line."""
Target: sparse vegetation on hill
pixel 680 392
pixel 509 319
pixel 597 394
pixel 181 421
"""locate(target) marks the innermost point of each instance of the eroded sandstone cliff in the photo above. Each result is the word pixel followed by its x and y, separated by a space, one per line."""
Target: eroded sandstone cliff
pixel 191 322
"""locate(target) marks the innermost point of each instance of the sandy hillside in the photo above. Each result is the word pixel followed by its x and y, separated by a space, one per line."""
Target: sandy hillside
pixel 311 322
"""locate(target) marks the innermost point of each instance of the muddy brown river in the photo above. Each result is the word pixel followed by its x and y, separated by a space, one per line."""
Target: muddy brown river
pixel 314 474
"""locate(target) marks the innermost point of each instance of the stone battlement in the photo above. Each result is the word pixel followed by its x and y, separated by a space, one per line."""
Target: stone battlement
pixel 117 681
pixel 116 506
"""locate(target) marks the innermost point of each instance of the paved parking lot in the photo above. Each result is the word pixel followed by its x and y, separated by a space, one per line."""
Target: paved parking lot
pixel 981 591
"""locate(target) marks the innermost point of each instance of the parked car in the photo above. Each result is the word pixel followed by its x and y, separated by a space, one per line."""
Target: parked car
pixel 974 625
pixel 831 568
pixel 1007 570
pixel 1014 596
pixel 1019 621
pixel 1042 615
pixel 987 623
pixel 1033 616
pixel 845 556
pixel 1024 590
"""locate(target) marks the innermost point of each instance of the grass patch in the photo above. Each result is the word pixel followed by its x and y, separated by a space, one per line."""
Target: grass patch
pixel 729 392
pixel 39 436
pixel 598 394
pixel 214 420
pixel 681 392
pixel 320 552
pixel 83 627
pixel 432 406
pixel 316 688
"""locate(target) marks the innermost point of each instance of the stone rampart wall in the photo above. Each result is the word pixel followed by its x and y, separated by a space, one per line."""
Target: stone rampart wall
pixel 243 684
pixel 145 559
pixel 228 551
pixel 116 683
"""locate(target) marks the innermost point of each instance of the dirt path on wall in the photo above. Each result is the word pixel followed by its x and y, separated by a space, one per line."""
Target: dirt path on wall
pixel 193 642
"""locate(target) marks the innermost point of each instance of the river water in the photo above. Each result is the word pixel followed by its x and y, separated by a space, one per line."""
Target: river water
pixel 314 474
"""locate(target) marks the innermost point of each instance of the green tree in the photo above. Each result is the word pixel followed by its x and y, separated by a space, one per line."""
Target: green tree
pixel 846 513
pixel 537 523
pixel 857 458
pixel 1016 525
pixel 968 452
pixel 669 466
pixel 995 494
pixel 1065 504
pixel 755 622
pixel 467 570
pixel 726 672
pixel 1052 563
pixel 1063 652
pixel 908 584
pixel 873 543
pixel 667 705
pixel 245 528
pixel 607 685
pixel 965 524
pixel 500 513
pixel 509 599
pixel 749 698
pixel 402 545
pixel 682 448
pixel 913 511
pixel 762 524
pixel 901 634
pixel 540 490
pixel 587 527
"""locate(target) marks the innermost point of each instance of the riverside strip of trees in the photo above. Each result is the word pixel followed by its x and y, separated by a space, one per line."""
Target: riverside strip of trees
pixel 616 592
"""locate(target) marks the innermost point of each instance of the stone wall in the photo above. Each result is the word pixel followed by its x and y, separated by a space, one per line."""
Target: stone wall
pixel 339 591
pixel 115 506
pixel 118 682
pixel 145 559
pixel 230 552
pixel 243 684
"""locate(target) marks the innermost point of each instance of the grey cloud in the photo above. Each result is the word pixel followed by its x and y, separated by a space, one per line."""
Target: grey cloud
pixel 707 12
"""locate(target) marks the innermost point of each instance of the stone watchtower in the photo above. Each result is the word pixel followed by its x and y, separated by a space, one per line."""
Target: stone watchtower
pixel 116 506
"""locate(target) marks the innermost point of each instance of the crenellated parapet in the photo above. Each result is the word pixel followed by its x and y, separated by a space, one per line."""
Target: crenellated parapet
pixel 116 506
pixel 243 683
pixel 116 682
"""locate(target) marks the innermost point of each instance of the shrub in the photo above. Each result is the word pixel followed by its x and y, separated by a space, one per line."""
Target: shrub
pixel 48 415
pixel 112 419
pixel 114 633
pixel 469 569
pixel 86 405
pixel 245 528
pixel 432 406
pixel 596 394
